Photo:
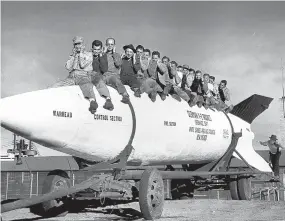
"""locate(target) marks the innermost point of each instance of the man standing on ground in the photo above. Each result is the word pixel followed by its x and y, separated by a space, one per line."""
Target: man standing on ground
pixel 274 153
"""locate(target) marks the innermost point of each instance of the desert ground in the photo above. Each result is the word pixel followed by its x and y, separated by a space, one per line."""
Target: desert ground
pixel 192 210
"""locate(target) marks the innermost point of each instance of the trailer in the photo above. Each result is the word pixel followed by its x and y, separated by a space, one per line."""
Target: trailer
pixel 69 178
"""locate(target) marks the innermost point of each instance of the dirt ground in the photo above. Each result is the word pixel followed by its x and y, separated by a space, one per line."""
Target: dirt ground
pixel 192 210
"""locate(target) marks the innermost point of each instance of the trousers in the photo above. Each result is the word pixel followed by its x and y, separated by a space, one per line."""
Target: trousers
pixel 130 80
pixel 114 81
pixel 149 85
pixel 274 159
pixel 85 81
pixel 177 90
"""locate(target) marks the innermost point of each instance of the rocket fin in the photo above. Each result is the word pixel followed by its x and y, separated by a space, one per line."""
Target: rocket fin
pixel 253 158
pixel 251 107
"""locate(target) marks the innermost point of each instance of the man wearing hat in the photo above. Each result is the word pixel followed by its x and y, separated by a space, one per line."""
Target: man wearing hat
pixel 129 69
pixel 274 153
pixel 79 66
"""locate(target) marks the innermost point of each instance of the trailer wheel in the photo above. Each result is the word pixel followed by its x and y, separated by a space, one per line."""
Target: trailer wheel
pixel 233 185
pixel 151 194
pixel 244 188
pixel 56 207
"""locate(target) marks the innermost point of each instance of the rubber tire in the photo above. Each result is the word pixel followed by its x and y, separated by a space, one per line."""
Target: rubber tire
pixel 52 208
pixel 148 192
pixel 244 188
pixel 233 185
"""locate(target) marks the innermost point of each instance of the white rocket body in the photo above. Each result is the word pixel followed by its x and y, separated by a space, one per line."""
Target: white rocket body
pixel 167 132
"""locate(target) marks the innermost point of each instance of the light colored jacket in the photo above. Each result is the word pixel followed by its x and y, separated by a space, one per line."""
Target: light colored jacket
pixel 272 147
pixel 158 71
pixel 175 79
pixel 144 66
pixel 80 62
pixel 189 81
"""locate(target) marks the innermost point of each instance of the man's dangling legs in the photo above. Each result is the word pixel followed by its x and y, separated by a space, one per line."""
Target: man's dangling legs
pixel 115 82
pixel 84 82
pixel 62 83
pixel 102 89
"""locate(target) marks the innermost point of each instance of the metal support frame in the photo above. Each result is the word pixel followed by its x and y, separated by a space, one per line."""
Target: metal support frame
pixel 118 163
pixel 223 164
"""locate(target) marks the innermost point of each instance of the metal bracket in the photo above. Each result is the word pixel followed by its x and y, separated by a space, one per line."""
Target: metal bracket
pixel 119 163
pixel 224 163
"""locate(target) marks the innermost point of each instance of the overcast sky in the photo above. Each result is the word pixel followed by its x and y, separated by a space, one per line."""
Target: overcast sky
pixel 241 42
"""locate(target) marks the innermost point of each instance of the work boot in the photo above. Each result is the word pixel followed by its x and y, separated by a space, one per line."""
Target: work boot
pixel 93 107
pixel 191 103
pixel 206 106
pixel 137 93
pixel 163 96
pixel 176 97
pixel 227 110
pixel 126 99
pixel 152 96
pixel 108 105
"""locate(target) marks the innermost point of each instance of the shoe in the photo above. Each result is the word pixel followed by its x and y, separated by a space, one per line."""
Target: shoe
pixel 163 97
pixel 199 104
pixel 126 99
pixel 93 107
pixel 137 93
pixel 176 97
pixel 152 96
pixel 108 105
pixel 191 103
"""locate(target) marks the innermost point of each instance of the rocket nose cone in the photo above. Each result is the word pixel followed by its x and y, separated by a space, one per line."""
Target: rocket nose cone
pixel 13 115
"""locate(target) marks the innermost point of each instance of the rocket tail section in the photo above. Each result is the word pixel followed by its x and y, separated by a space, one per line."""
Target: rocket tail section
pixel 241 117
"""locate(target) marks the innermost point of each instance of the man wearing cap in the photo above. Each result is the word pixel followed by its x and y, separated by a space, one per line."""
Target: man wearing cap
pixel 79 66
pixel 274 153
pixel 130 67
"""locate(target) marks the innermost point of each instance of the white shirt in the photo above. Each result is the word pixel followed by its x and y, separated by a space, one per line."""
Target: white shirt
pixel 272 146
pixel 180 75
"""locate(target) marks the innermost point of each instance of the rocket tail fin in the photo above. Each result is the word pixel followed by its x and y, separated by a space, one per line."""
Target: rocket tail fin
pixel 251 107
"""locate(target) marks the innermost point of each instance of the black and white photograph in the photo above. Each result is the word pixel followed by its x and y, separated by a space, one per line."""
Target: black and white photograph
pixel 143 110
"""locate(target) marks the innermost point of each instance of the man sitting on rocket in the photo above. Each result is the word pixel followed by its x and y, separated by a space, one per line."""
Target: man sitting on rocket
pixel 81 73
pixel 274 153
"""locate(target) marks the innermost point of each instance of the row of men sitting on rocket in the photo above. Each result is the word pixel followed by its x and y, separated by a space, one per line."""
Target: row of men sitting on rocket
pixel 143 71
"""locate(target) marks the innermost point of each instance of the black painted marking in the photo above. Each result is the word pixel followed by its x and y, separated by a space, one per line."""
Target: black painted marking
pixel 62 114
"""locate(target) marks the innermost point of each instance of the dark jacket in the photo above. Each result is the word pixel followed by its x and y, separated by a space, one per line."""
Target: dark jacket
pixel 128 68
pixel 197 86
pixel 100 64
